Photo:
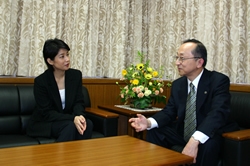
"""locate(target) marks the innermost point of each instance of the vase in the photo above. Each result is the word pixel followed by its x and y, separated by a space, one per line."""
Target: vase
pixel 140 103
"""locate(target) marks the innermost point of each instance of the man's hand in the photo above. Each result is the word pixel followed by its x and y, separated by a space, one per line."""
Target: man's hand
pixel 140 123
pixel 191 148
pixel 80 123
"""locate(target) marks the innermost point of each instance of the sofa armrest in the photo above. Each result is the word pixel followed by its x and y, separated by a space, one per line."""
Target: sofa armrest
pixel 101 113
pixel 238 135
pixel 236 148
pixel 104 122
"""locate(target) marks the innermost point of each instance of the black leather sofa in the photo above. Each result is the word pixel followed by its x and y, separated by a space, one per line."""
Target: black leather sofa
pixel 237 144
pixel 17 104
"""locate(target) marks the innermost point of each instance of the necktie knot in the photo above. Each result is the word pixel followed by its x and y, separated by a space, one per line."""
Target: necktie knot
pixel 191 87
pixel 192 90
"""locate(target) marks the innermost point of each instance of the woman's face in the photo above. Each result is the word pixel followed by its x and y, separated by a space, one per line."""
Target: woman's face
pixel 61 60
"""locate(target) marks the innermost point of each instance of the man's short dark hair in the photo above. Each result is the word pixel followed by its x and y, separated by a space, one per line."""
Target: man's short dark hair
pixel 199 51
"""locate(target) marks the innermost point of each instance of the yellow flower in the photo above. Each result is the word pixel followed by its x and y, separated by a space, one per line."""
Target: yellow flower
pixel 135 82
pixel 148 76
pixel 140 66
pixel 124 72
pixel 155 73
pixel 143 84
pixel 134 74
pixel 149 69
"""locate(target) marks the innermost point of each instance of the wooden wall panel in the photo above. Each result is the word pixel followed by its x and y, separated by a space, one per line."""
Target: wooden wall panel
pixel 104 91
pixel 103 94
pixel 240 87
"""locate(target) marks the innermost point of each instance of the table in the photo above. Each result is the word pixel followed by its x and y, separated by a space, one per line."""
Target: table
pixel 124 127
pixel 109 151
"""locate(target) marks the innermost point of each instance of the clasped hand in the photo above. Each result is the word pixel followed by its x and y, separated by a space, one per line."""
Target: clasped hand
pixel 80 123
pixel 140 123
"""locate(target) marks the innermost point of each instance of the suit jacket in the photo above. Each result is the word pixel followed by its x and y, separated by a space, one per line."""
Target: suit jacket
pixel 212 105
pixel 49 105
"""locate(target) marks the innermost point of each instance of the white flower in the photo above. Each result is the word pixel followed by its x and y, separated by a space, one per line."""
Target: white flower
pixel 148 92
pixel 141 87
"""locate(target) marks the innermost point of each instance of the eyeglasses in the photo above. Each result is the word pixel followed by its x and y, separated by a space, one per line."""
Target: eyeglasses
pixel 181 59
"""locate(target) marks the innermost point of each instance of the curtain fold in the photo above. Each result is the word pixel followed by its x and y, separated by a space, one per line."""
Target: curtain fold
pixel 105 35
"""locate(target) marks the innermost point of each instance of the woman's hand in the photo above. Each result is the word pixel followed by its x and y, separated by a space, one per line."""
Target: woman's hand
pixel 80 123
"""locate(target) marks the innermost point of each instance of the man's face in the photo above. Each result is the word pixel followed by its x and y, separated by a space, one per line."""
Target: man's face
pixel 188 66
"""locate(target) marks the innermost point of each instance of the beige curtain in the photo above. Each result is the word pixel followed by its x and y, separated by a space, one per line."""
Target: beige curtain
pixel 104 35
pixel 222 25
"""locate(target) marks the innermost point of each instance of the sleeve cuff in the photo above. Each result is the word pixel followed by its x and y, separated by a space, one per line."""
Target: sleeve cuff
pixel 200 137
pixel 153 123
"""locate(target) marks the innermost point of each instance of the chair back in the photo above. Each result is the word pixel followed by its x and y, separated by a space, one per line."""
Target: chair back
pixel 240 108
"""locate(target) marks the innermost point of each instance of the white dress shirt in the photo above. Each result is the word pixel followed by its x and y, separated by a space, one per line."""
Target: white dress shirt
pixel 201 137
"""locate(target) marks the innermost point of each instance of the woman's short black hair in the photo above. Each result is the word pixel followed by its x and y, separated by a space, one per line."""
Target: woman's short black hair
pixel 51 48
pixel 199 51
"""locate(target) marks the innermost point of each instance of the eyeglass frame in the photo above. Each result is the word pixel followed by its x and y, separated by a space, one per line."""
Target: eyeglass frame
pixel 181 59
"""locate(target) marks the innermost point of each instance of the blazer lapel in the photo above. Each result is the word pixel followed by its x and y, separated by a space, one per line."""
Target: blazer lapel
pixel 203 89
pixel 68 94
pixel 182 93
pixel 53 88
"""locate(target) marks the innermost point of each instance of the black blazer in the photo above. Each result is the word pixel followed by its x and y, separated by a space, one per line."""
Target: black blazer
pixel 49 105
pixel 212 105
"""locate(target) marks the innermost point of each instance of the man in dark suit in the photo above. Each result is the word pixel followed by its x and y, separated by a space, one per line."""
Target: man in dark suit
pixel 211 102
pixel 58 94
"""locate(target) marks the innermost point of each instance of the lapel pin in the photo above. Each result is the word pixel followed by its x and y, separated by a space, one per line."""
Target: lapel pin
pixel 205 92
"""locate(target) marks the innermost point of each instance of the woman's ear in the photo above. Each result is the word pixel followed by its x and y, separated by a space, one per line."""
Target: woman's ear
pixel 50 61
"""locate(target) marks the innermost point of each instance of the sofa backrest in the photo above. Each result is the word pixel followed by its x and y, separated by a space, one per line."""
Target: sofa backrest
pixel 27 104
pixel 16 106
pixel 17 103
pixel 240 108
pixel 9 110
pixel 86 99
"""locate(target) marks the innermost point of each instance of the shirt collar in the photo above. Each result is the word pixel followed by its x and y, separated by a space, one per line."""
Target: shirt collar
pixel 195 82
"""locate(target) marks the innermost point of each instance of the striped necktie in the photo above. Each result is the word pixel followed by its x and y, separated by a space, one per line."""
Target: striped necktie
pixel 190 116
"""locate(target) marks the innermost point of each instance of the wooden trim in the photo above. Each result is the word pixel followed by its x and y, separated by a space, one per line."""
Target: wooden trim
pixel 238 135
pixel 30 80
pixel 98 81
pixel 102 113
pixel 240 87
pixel 16 80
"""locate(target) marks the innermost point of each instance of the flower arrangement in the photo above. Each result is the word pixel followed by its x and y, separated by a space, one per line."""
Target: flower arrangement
pixel 144 85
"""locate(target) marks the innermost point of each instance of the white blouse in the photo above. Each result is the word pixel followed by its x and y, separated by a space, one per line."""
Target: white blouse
pixel 62 94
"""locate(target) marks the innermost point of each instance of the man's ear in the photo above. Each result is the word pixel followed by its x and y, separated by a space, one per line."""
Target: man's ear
pixel 200 62
pixel 50 61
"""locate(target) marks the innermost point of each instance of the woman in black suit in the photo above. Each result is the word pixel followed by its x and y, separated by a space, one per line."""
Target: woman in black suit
pixel 58 94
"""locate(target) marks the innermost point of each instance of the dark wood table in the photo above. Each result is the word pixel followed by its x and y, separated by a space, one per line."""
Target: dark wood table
pixel 109 151
pixel 124 127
